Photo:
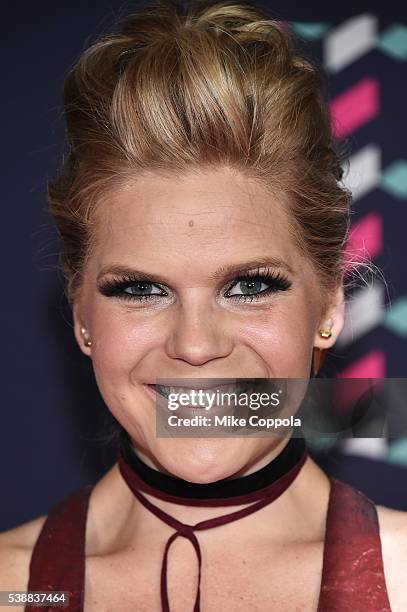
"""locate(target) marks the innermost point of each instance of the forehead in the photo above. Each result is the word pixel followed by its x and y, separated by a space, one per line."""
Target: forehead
pixel 205 217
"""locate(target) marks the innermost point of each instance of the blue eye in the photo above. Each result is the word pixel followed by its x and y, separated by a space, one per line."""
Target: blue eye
pixel 252 286
pixel 131 289
pixel 249 287
pixel 141 289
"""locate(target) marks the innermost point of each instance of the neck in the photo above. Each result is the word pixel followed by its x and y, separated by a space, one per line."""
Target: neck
pixel 272 476
pixel 254 491
pixel 128 526
pixel 296 515
pixel 269 479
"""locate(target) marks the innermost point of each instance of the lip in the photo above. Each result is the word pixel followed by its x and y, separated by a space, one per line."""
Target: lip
pixel 223 387
pixel 197 384
pixel 161 403
pixel 151 391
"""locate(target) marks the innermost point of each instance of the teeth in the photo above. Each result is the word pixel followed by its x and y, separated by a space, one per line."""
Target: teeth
pixel 231 388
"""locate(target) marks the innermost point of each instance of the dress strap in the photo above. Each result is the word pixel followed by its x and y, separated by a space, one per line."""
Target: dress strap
pixel 352 575
pixel 58 558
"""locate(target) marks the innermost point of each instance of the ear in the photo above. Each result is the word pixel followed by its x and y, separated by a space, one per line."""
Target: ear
pixel 81 330
pixel 333 320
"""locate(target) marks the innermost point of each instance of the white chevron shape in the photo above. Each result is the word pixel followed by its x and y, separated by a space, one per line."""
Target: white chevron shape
pixel 364 171
pixel 364 311
pixel 372 448
pixel 349 41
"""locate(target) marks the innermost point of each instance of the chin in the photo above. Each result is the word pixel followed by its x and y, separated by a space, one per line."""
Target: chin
pixel 202 460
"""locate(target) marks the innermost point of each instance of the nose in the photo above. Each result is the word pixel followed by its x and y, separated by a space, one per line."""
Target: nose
pixel 198 334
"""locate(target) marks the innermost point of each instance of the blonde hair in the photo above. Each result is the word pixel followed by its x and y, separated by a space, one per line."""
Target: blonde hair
pixel 202 86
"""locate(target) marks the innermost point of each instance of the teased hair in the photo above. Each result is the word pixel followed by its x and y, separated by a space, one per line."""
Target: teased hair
pixel 202 86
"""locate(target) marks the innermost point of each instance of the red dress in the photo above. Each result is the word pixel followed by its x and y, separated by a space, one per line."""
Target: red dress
pixel 352 576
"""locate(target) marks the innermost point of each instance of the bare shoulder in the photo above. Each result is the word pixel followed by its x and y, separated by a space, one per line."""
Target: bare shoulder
pixel 16 546
pixel 393 535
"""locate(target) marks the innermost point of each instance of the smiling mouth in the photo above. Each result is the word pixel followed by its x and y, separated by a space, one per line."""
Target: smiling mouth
pixel 166 391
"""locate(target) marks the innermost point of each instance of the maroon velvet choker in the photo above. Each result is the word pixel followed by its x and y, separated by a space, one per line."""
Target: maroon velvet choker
pixel 262 488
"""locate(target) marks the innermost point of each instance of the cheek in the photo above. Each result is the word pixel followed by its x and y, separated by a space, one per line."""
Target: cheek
pixel 282 345
pixel 120 342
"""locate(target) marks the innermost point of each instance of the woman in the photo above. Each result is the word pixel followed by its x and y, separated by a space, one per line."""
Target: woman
pixel 203 224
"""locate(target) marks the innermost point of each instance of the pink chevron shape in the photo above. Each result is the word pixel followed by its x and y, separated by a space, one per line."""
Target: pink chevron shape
pixel 372 365
pixel 365 240
pixel 355 107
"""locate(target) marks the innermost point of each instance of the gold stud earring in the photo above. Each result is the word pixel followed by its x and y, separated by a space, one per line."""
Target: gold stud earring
pixel 318 354
pixel 325 333
pixel 87 341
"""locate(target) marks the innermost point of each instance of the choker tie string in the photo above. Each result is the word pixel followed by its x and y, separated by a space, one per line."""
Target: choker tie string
pixel 128 463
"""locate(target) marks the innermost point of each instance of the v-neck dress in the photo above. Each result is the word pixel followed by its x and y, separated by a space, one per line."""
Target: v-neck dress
pixel 352 575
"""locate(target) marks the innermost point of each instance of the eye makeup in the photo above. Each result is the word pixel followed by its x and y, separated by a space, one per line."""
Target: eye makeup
pixel 140 289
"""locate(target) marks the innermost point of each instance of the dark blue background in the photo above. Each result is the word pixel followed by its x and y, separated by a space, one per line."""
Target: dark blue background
pixel 55 426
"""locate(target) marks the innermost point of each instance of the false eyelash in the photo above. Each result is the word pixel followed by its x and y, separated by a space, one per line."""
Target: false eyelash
pixel 116 286
pixel 277 281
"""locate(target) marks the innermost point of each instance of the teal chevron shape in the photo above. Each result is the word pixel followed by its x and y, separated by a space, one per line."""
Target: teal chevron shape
pixel 397 452
pixel 394 179
pixel 321 443
pixel 395 317
pixel 309 30
pixel 393 41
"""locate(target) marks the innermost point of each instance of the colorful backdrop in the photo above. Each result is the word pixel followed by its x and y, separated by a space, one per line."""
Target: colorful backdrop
pixel 55 426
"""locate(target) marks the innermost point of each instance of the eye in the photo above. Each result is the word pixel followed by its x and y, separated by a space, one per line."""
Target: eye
pixel 131 289
pixel 255 286
pixel 249 287
pixel 142 288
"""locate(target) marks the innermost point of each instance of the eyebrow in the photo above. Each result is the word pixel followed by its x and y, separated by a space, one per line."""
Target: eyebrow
pixel 223 272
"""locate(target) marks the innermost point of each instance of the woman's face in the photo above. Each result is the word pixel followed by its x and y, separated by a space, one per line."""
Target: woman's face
pixel 189 241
